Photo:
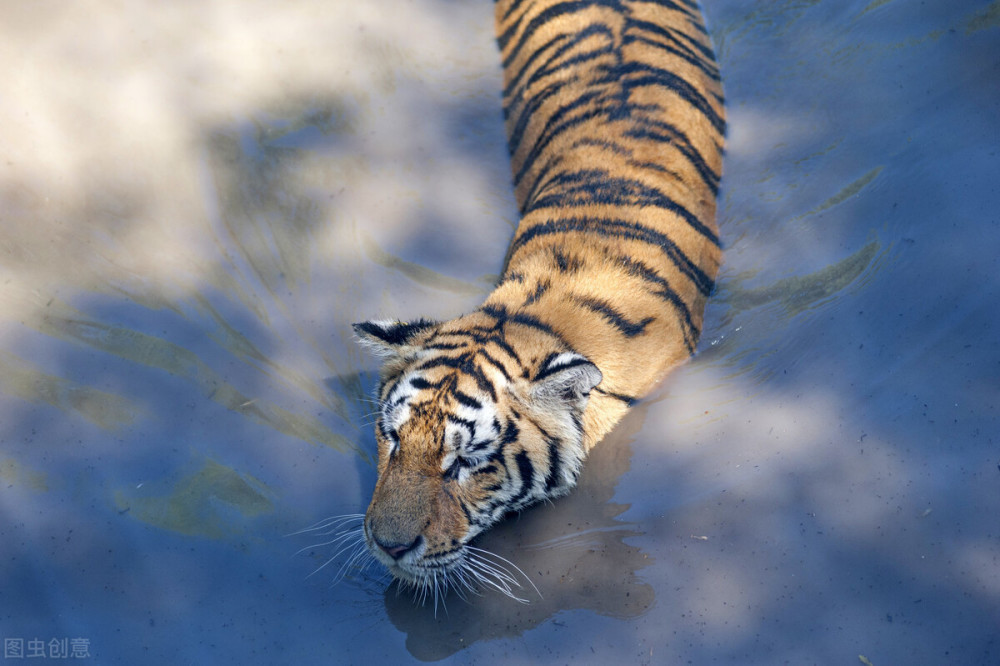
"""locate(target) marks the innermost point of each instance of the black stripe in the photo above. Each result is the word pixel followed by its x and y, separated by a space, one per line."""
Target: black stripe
pixel 666 292
pixel 548 369
pixel 545 366
pixel 510 277
pixel 463 363
pixel 564 263
pixel 532 322
pixel 618 229
pixel 482 382
pixel 597 186
pixel 655 166
pixel 550 13
pixel 388 389
pixel 539 290
pixel 498 312
pixel 503 317
pixel 467 400
pixel 705 61
pixel 666 133
pixel 472 520
pixel 707 68
pixel 388 432
pixel 607 144
pixel 555 465
pixel 514 4
pixel 649 75
pixel 395 333
pixel 551 67
pixel 512 82
pixel 478 446
pixel 540 182
pixel 507 349
pixel 527 473
pixel 555 125
pixel 614 317
pixel 420 384
pixel 465 423
pixel 495 363
pixel 614 77
pixel 691 6
pixel 577 416
pixel 669 134
pixel 627 399
pixel 510 435
pixel 492 488
pixel 446 346
pixel 478 334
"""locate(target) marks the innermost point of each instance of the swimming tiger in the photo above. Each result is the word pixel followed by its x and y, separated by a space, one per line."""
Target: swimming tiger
pixel 615 122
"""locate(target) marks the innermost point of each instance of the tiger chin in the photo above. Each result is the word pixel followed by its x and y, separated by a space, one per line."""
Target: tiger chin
pixel 615 122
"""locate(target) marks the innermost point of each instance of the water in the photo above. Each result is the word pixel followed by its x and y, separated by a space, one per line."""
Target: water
pixel 197 204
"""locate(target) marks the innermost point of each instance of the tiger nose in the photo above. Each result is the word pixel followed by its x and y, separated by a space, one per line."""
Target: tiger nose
pixel 395 550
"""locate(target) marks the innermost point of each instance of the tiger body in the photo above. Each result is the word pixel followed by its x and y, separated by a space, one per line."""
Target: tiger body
pixel 614 113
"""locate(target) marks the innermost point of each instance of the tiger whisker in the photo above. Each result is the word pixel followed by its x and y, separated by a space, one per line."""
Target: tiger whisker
pixel 329 523
pixel 502 576
pixel 439 593
pixel 478 568
pixel 331 559
pixel 498 569
pixel 505 563
pixel 464 584
pixel 347 534
pixel 360 552
pixel 499 585
pixel 496 574
pixel 352 534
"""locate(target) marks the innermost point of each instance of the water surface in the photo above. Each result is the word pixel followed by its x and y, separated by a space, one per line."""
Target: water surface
pixel 196 202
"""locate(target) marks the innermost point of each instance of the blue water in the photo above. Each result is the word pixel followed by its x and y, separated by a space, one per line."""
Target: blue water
pixel 193 209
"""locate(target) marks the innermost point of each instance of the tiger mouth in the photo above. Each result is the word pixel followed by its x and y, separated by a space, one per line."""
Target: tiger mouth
pixel 413 566
pixel 424 573
pixel 466 569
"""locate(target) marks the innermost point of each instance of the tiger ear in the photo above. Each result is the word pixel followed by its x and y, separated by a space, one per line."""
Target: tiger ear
pixel 388 338
pixel 566 378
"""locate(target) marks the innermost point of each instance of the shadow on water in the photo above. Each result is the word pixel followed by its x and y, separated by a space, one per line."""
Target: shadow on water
pixel 573 550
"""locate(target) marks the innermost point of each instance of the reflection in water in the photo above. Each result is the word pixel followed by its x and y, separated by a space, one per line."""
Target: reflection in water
pixel 21 379
pixel 737 307
pixel 269 221
pixel 573 550
pixel 64 322
pixel 799 293
pixel 14 473
pixel 421 274
pixel 989 18
pixel 844 194
pixel 200 504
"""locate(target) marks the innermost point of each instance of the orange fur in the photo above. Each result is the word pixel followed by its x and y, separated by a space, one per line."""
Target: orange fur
pixel 615 118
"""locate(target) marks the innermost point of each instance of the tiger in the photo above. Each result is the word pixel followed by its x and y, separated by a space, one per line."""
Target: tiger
pixel 615 123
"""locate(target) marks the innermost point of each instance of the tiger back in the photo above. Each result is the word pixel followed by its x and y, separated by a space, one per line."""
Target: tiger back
pixel 615 121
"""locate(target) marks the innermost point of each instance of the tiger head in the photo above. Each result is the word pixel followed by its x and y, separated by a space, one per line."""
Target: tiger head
pixel 475 419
